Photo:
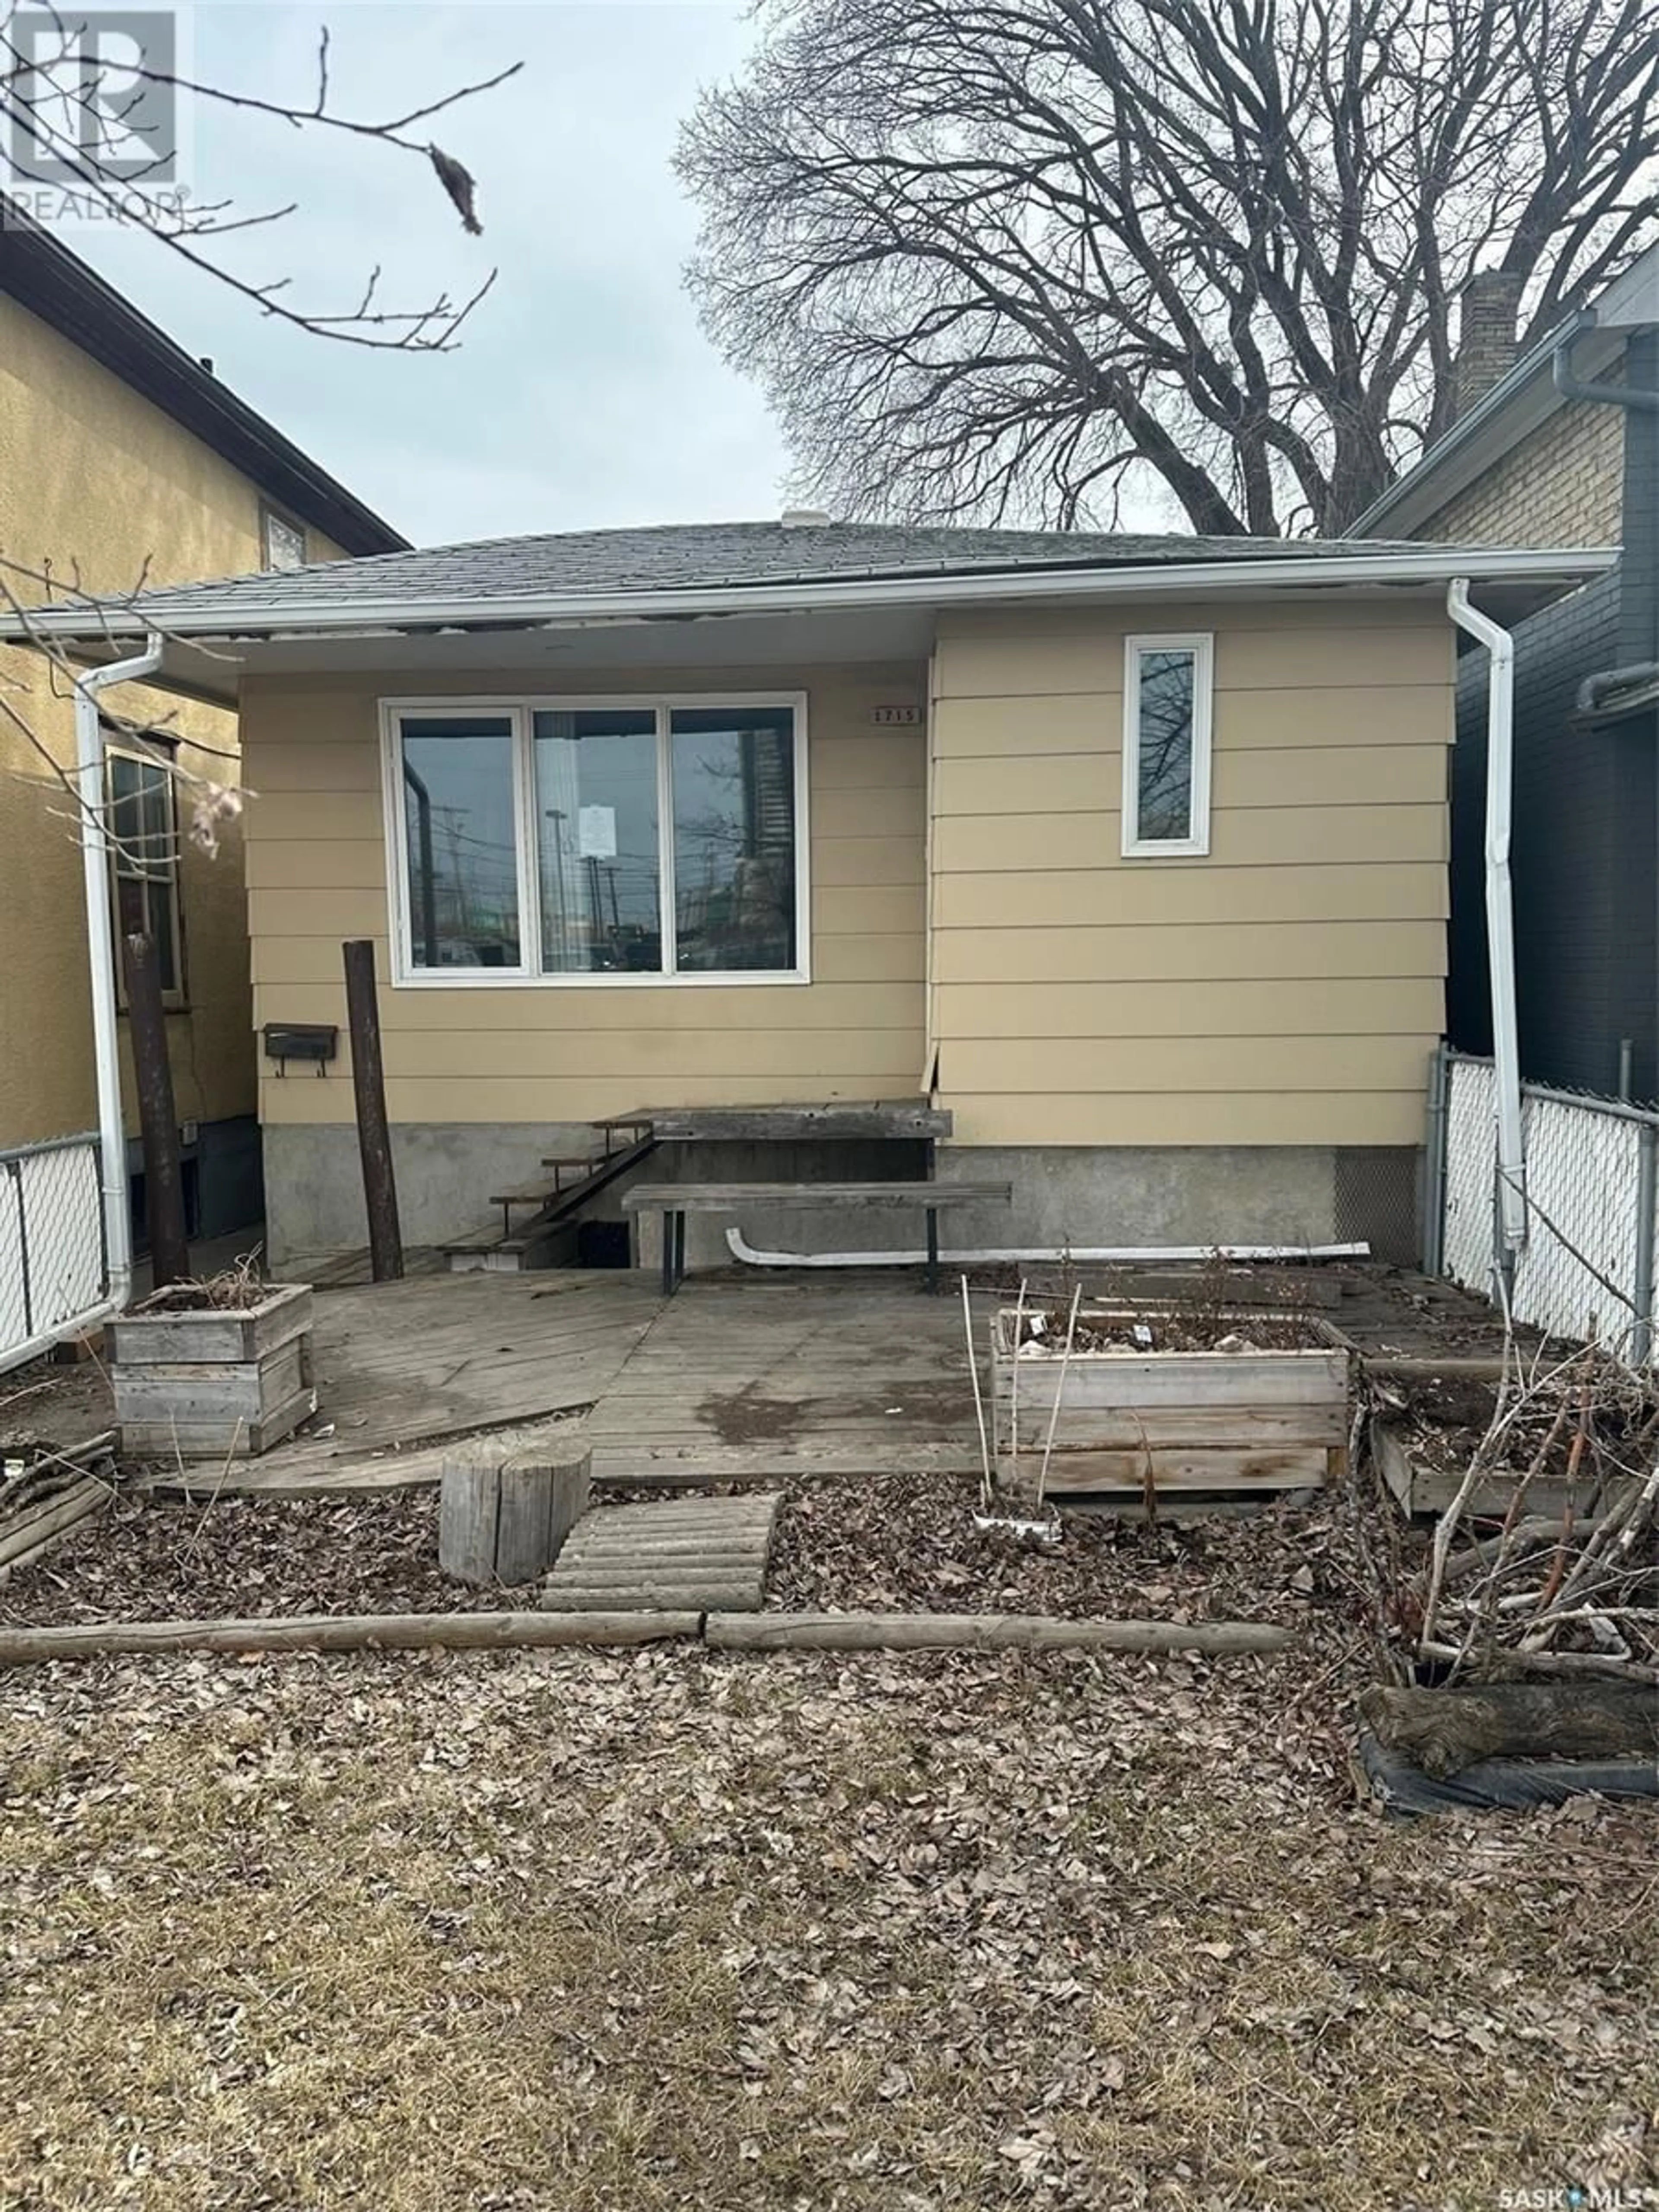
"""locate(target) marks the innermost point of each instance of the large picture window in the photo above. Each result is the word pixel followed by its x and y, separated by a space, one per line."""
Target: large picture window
pixel 598 841
pixel 1166 747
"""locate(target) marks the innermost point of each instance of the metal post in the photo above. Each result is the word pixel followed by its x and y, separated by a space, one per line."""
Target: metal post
pixel 1434 1163
pixel 1647 1158
pixel 385 1248
pixel 158 1121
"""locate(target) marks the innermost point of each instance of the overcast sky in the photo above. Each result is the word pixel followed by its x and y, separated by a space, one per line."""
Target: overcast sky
pixel 583 393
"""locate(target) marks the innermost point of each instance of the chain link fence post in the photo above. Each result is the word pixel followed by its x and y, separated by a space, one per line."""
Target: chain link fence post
pixel 1642 1270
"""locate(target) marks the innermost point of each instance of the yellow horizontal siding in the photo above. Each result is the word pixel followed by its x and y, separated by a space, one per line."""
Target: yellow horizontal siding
pixel 1215 1117
pixel 1215 952
pixel 893 760
pixel 308 962
pixel 1249 837
pixel 1023 657
pixel 1285 987
pixel 576 1097
pixel 873 859
pixel 846 811
pixel 647 1057
pixel 481 1015
pixel 1191 890
pixel 1355 716
pixel 1176 1065
pixel 317 874
pixel 1066 783
pixel 1362 1007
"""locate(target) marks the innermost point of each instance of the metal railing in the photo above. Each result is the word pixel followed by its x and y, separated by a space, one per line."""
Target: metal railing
pixel 53 1270
pixel 1587 1267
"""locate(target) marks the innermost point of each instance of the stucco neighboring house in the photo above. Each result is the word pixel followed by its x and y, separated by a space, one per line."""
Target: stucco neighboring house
pixel 1130 853
pixel 122 458
pixel 1561 447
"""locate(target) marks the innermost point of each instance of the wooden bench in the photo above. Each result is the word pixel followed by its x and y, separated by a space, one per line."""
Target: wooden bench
pixel 674 1201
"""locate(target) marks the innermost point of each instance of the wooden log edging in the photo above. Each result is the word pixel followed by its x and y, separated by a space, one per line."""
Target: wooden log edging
pixel 345 1631
pixel 725 1631
pixel 981 1631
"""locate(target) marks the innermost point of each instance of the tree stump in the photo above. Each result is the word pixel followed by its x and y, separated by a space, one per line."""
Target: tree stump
pixel 505 1522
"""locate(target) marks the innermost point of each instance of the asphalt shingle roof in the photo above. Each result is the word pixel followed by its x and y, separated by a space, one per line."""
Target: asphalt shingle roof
pixel 716 556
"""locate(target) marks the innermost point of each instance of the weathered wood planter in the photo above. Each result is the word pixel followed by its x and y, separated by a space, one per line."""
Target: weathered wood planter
pixel 216 1381
pixel 1421 1490
pixel 1198 1421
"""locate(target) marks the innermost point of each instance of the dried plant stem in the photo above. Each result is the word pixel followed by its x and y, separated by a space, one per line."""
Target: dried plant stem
pixel 1059 1392
pixel 979 1401
pixel 1013 1386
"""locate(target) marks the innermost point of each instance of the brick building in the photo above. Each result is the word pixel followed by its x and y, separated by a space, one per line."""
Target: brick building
pixel 1561 449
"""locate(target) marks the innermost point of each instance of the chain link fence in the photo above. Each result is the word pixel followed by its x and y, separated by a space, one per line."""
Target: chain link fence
pixel 1587 1267
pixel 53 1273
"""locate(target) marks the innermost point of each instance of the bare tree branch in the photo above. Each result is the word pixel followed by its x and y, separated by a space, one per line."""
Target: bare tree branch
pixel 1015 258
pixel 79 125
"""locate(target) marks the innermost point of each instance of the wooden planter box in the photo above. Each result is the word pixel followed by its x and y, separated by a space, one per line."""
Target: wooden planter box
pixel 1422 1490
pixel 1207 1421
pixel 222 1381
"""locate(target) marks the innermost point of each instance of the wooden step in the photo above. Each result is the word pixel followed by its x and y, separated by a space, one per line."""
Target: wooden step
pixel 707 1554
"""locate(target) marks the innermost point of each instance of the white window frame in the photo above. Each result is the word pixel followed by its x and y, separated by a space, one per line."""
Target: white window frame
pixel 1202 645
pixel 166 874
pixel 519 709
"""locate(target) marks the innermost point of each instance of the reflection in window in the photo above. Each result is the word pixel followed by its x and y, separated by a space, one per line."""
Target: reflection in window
pixel 735 838
pixel 598 868
pixel 463 852
pixel 1166 746
pixel 1165 761
pixel 143 837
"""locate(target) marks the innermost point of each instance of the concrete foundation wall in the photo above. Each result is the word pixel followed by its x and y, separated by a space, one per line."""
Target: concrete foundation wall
pixel 1081 1195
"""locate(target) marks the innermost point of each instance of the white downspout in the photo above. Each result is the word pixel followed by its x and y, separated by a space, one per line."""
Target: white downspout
pixel 1500 916
pixel 101 958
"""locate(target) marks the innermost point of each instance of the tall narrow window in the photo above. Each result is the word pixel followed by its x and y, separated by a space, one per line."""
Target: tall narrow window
pixel 460 828
pixel 733 776
pixel 143 841
pixel 1166 746
pixel 597 862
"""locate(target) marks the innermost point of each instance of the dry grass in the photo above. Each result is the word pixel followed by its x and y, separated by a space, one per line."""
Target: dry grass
pixel 587 1933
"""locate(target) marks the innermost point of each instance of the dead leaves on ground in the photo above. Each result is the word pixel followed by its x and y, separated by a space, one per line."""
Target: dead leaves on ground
pixel 598 1933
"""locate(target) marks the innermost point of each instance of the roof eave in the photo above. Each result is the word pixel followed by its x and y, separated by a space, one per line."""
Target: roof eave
pixel 240 618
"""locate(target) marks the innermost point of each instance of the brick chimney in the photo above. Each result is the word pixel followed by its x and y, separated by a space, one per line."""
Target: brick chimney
pixel 1489 308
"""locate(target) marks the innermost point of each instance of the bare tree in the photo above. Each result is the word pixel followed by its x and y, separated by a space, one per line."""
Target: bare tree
pixel 97 134
pixel 1019 258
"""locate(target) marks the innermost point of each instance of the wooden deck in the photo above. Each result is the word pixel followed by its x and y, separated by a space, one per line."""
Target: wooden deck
pixel 742 1377
pixel 402 1368
pixel 745 1378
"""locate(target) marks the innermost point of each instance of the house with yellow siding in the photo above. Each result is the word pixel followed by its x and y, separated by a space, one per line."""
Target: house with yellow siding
pixel 124 460
pixel 1126 857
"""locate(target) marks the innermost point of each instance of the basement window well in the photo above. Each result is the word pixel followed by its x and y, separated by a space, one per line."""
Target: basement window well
pixel 598 841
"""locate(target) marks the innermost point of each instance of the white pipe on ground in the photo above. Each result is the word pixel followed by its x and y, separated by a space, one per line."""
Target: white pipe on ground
pixel 1097 1254
pixel 1500 915
pixel 101 962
